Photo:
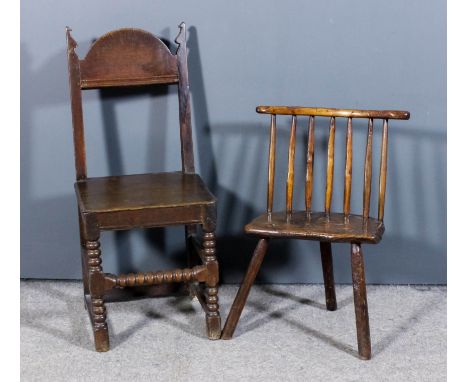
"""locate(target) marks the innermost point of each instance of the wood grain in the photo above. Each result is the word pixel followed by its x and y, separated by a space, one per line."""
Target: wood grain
pixel 271 165
pixel 368 170
pixel 330 166
pixel 291 155
pixel 331 112
pixel 348 168
pixel 383 169
pixel 309 182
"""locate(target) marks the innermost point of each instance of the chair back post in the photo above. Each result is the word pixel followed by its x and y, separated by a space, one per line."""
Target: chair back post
pixel 74 78
pixel 185 120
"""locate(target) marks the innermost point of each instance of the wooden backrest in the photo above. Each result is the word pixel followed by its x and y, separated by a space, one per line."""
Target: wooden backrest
pixel 129 57
pixel 312 113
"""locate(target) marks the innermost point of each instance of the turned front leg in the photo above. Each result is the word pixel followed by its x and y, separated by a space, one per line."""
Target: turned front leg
pixel 96 285
pixel 360 302
pixel 213 319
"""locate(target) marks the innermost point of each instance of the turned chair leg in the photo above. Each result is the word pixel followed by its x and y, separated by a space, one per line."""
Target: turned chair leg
pixel 360 302
pixel 97 309
pixel 328 279
pixel 243 293
pixel 192 256
pixel 213 319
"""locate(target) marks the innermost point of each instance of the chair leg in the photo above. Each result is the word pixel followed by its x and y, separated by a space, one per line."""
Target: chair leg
pixel 192 257
pixel 213 319
pixel 243 293
pixel 84 260
pixel 98 309
pixel 328 279
pixel 360 301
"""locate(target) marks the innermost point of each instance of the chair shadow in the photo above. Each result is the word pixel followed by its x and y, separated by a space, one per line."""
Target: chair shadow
pixel 79 336
pixel 399 328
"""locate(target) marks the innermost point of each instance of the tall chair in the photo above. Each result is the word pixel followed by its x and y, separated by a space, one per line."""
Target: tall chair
pixel 133 57
pixel 324 226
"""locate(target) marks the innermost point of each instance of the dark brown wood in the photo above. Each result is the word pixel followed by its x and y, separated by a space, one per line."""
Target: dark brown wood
pixel 127 57
pixel 348 168
pixel 188 164
pixel 330 112
pixel 383 169
pixel 333 227
pixel 243 293
pixel 291 155
pixel 368 171
pixel 76 107
pixel 360 301
pixel 132 57
pixel 330 166
pixel 309 182
pixel 328 279
pixel 271 165
pixel 324 226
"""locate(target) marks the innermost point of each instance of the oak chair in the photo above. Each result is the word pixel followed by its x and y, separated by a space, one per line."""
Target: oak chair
pixel 133 57
pixel 324 226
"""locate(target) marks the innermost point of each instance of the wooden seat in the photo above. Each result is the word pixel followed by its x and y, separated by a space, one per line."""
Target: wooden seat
pixel 132 57
pixel 325 226
pixel 334 227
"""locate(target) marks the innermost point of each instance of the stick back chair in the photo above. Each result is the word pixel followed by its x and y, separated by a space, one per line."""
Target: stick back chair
pixel 133 57
pixel 324 226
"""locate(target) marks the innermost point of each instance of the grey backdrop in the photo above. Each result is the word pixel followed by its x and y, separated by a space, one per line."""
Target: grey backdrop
pixel 366 54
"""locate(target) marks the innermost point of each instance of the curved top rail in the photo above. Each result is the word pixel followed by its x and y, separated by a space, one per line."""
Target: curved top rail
pixel 330 112
pixel 128 56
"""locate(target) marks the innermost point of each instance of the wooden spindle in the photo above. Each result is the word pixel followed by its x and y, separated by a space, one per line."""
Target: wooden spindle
pixel 348 168
pixel 310 165
pixel 271 165
pixel 330 166
pixel 368 170
pixel 291 153
pixel 383 169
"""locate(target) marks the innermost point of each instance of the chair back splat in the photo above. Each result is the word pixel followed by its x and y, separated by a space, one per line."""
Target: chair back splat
pixel 129 57
pixel 333 114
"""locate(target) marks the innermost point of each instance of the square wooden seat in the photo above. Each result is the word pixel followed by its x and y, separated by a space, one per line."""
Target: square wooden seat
pixel 333 227
pixel 165 192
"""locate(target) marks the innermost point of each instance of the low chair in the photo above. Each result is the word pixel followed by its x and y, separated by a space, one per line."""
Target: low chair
pixel 324 226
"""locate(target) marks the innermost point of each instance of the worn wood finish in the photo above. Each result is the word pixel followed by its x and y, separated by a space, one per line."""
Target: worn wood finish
pixel 132 57
pixel 185 121
pixel 330 112
pixel 328 279
pixel 243 293
pixel 309 182
pixel 383 169
pixel 324 226
pixel 291 156
pixel 330 166
pixel 127 57
pixel 74 80
pixel 360 301
pixel 348 168
pixel 271 165
pixel 368 171
pixel 333 227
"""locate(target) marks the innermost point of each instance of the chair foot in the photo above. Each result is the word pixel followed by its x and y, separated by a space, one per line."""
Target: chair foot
pixel 328 279
pixel 360 302
pixel 213 319
pixel 243 293
pixel 97 309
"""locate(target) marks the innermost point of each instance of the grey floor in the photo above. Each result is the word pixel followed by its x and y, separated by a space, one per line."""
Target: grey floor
pixel 285 334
